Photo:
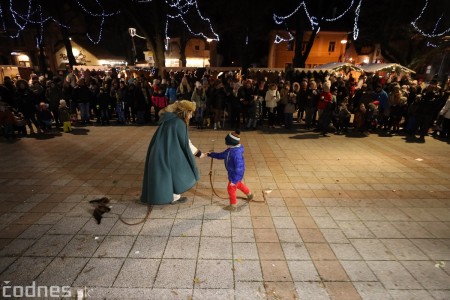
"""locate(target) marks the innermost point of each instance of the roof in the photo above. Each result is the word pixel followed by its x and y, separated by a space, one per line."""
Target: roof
pixel 337 66
pixel 371 68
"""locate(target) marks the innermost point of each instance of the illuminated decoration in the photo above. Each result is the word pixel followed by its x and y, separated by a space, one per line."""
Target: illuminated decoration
pixel 433 34
pixel 314 21
pixel 33 15
pixel 355 26
pixel 182 8
pixel 101 15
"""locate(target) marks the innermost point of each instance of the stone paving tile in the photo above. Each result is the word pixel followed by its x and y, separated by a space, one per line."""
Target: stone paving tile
pixel 148 247
pixel 303 271
pixel 243 235
pixel 16 247
pixel 334 236
pixel 342 290
pixel 413 294
pixel 393 275
pixel 358 271
pixel 428 275
pixel 48 245
pixel 412 230
pixel 275 270
pixel 372 291
pixel 62 271
pixel 68 225
pixel 82 246
pixel 157 227
pixel 311 291
pixel 433 248
pixel 186 227
pixel 383 230
pixel 216 228
pixel 355 229
pixel 215 248
pixel 403 249
pixel 270 251
pixel 295 251
pixel 182 279
pixel 205 294
pixel 249 290
pixel 206 271
pixel 20 273
pixel 246 251
pixel 345 252
pixel 371 249
pixel 99 272
pixel 115 246
pixel 137 273
pixel 247 270
pixel 182 247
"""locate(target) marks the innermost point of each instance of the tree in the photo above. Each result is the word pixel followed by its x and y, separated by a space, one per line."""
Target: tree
pixel 151 17
pixel 307 17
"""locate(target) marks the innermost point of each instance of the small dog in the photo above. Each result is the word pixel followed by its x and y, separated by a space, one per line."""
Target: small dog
pixel 101 208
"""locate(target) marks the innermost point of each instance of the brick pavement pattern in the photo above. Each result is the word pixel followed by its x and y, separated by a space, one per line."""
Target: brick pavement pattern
pixel 343 218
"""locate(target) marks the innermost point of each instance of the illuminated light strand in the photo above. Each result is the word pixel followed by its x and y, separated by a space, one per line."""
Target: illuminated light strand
pixel 314 21
pixel 355 26
pixel 102 22
pixel 279 39
pixel 3 19
pixel 96 14
pixel 433 34
pixel 182 7
pixel 21 28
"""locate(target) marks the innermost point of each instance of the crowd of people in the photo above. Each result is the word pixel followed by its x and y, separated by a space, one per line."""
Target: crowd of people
pixel 327 104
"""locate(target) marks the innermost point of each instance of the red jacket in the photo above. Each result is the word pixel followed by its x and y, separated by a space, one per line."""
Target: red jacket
pixel 325 98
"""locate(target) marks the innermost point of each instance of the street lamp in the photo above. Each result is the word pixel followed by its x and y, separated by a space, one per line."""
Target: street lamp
pixel 132 32
pixel 343 43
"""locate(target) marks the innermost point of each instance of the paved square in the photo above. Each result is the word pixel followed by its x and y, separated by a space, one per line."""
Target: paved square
pixel 343 218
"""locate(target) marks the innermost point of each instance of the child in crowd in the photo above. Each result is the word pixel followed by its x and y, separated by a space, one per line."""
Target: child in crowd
pixel 44 117
pixel 64 115
pixel 343 117
pixel 234 161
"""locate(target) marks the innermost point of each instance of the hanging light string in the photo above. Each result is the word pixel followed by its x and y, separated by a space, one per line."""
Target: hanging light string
pixel 355 26
pixel 102 15
pixel 182 8
pixel 433 34
pixel 314 21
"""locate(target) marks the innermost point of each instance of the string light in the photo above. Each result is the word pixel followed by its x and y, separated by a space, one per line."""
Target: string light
pixel 314 21
pixel 355 26
pixel 182 8
pixel 430 35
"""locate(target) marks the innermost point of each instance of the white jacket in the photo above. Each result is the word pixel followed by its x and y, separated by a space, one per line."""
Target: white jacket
pixel 445 111
pixel 272 98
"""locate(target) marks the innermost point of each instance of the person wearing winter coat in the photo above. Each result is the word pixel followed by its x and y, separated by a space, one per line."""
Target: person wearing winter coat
pixel 233 158
pixel 272 97
pixel 170 167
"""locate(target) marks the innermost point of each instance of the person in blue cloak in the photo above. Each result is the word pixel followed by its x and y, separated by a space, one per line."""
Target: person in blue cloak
pixel 170 167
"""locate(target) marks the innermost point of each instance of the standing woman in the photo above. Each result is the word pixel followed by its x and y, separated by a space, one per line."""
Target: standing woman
pixel 170 168
pixel 272 97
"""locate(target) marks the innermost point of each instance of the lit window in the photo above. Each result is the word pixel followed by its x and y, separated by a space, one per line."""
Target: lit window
pixel 331 46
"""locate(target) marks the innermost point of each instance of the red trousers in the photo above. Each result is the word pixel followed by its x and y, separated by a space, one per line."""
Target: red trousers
pixel 232 190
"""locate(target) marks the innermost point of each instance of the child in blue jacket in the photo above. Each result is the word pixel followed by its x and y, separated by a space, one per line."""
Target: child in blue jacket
pixel 234 161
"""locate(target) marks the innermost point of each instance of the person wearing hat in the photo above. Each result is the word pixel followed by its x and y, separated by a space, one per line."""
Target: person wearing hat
pixel 234 161
pixel 170 168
